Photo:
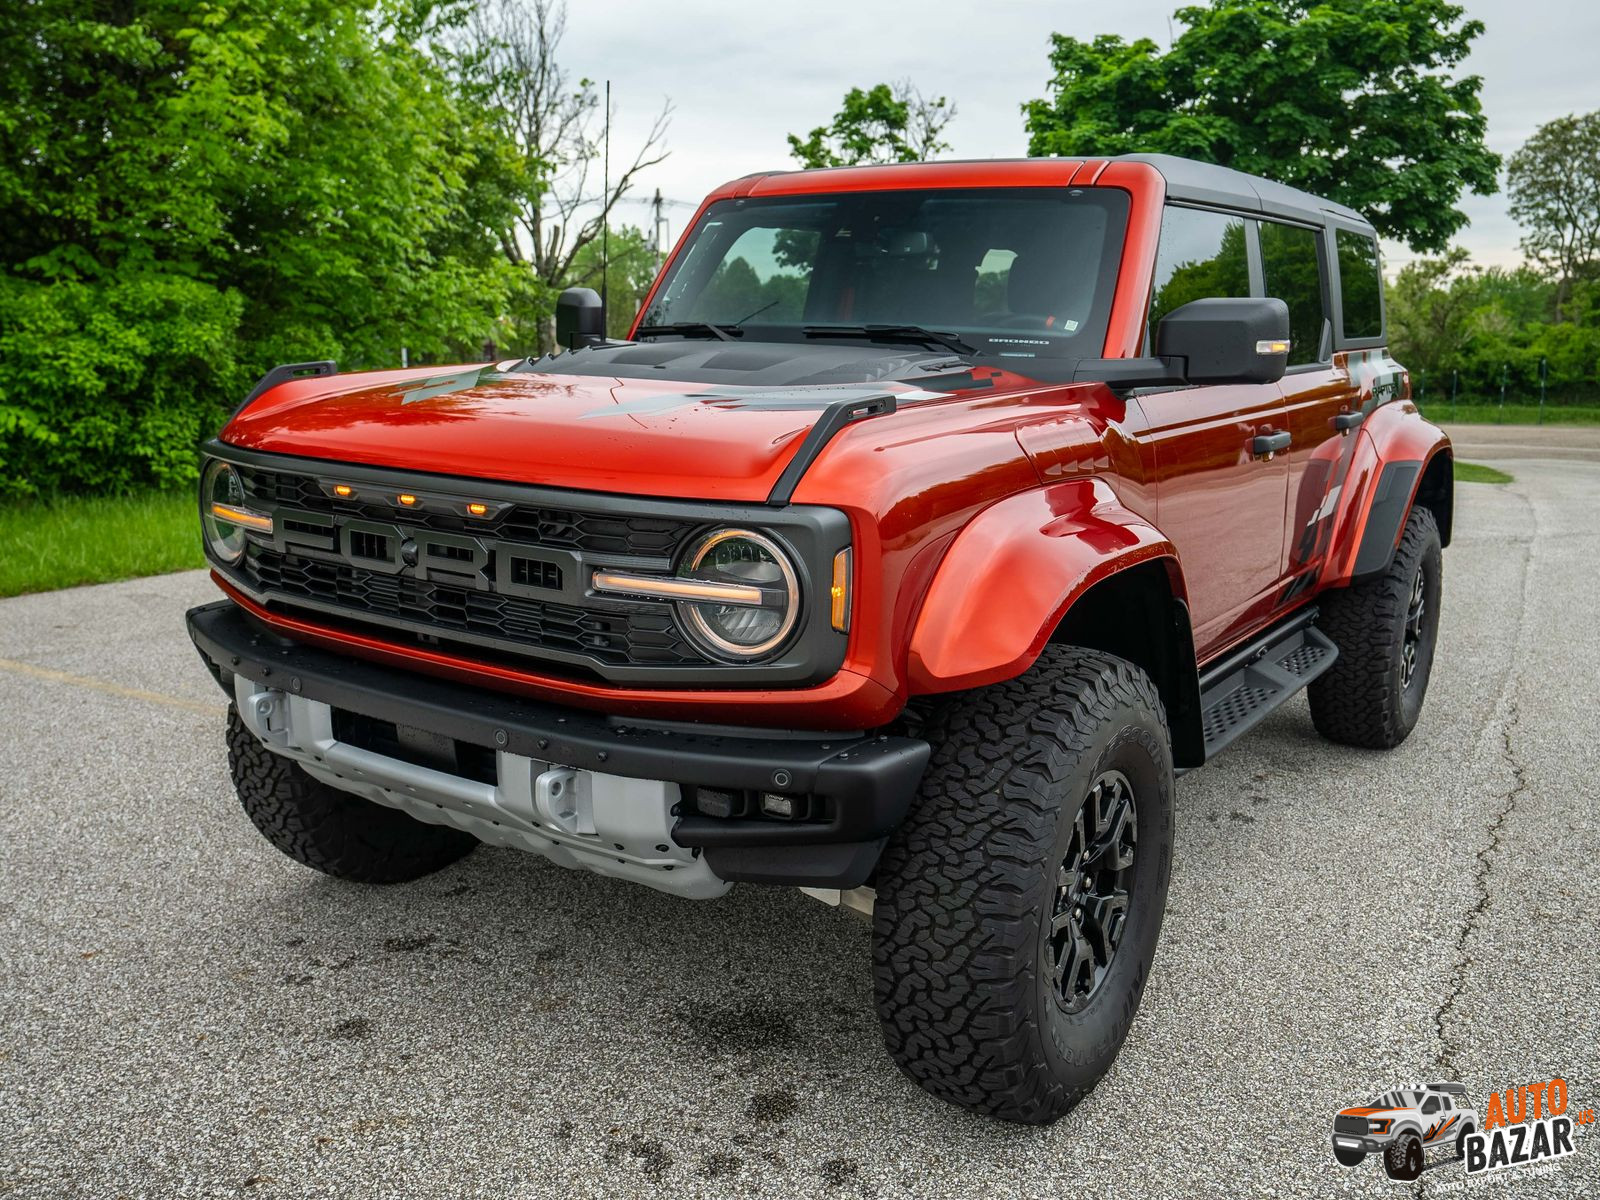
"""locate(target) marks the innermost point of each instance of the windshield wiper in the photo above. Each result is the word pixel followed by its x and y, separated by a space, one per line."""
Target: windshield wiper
pixel 688 329
pixel 891 333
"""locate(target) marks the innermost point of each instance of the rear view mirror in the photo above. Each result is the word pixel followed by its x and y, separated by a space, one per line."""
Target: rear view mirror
pixel 1227 340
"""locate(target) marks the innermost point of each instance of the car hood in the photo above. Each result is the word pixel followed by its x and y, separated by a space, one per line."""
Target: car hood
pixel 596 432
pixel 1367 1112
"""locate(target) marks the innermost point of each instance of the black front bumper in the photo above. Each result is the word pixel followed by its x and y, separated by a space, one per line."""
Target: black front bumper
pixel 864 783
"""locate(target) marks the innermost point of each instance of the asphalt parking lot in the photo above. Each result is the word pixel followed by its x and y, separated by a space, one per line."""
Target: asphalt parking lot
pixel 186 1013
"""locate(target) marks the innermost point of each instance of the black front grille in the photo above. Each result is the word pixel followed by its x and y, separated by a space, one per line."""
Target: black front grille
pixel 643 636
pixel 551 526
pixel 514 585
pixel 1350 1125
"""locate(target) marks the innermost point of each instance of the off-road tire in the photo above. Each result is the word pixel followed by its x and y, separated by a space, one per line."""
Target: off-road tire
pixel 1361 700
pixel 1461 1140
pixel 1403 1157
pixel 329 830
pixel 967 885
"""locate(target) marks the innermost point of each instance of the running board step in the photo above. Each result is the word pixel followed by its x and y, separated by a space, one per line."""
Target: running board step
pixel 1245 692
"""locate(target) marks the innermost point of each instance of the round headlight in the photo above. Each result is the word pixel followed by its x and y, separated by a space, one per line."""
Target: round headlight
pixel 221 485
pixel 741 631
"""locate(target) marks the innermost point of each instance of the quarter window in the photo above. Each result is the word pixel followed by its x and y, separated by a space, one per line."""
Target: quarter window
pixel 1292 271
pixel 1202 255
pixel 1360 285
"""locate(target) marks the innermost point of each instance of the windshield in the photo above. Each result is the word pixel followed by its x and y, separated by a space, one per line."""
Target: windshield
pixel 1013 272
pixel 1400 1099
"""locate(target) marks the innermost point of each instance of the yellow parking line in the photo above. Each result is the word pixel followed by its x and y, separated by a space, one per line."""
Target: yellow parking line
pixel 109 689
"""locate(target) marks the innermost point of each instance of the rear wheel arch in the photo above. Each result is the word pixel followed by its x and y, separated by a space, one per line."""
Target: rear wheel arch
pixel 1137 614
pixel 1436 491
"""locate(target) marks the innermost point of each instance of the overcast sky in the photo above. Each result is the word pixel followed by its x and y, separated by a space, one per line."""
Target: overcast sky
pixel 741 76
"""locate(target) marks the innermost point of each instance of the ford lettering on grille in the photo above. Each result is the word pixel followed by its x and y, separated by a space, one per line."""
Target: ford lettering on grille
pixel 432 556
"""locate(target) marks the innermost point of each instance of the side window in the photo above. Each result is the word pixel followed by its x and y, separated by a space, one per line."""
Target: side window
pixel 1292 269
pixel 1360 285
pixel 1202 254
pixel 1431 1104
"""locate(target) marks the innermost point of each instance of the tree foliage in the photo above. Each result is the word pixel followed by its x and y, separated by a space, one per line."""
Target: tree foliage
pixel 190 193
pixel 624 279
pixel 1554 182
pixel 1449 318
pixel 1356 100
pixel 887 123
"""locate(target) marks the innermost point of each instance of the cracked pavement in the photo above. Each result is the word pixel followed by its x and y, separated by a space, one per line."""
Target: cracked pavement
pixel 186 1013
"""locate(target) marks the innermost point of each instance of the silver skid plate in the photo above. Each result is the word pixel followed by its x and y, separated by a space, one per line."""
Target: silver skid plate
pixel 609 824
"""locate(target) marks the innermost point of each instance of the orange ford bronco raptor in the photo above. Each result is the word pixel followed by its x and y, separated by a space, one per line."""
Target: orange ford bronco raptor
pixel 931 519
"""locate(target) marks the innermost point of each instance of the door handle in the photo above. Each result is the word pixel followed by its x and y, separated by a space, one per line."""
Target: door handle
pixel 1265 445
pixel 1346 421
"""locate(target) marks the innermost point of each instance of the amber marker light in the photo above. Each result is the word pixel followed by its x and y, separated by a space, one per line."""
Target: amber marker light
pixel 407 499
pixel 1272 346
pixel 343 490
pixel 839 593
pixel 242 516
pixel 477 510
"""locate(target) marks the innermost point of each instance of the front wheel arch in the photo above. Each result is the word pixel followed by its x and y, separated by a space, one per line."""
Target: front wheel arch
pixel 1137 616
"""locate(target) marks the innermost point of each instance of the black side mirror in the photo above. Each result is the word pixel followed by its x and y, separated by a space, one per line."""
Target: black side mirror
pixel 1205 341
pixel 580 318
pixel 1227 341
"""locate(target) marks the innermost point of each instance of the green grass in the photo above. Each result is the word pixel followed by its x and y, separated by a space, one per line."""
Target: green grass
pixel 1478 473
pixel 1513 414
pixel 48 544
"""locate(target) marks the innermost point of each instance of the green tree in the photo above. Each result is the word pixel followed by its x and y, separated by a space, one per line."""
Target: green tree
pixel 189 193
pixel 887 123
pixel 1448 318
pixel 1554 183
pixel 1356 100
pixel 625 278
pixel 1430 305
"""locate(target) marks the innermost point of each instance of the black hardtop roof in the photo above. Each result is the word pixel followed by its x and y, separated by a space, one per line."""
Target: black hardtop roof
pixel 1207 183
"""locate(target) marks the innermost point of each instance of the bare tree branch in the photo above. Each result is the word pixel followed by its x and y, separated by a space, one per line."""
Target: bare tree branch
pixel 557 123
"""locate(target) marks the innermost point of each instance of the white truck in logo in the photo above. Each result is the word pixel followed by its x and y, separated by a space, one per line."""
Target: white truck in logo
pixel 1403 1123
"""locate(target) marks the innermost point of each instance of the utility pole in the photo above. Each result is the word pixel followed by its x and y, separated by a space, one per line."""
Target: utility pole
pixel 655 230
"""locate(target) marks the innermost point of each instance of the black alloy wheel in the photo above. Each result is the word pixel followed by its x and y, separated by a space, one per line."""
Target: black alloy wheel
pixel 1416 607
pixel 1092 887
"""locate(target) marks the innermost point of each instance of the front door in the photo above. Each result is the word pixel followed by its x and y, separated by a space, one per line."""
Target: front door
pixel 1218 498
pixel 1220 501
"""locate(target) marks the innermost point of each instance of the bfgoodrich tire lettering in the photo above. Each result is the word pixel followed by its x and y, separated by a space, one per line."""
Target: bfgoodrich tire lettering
pixel 968 885
pixel 1385 630
pixel 329 830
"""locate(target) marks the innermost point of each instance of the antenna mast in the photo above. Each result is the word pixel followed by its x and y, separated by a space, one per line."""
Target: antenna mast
pixel 605 211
